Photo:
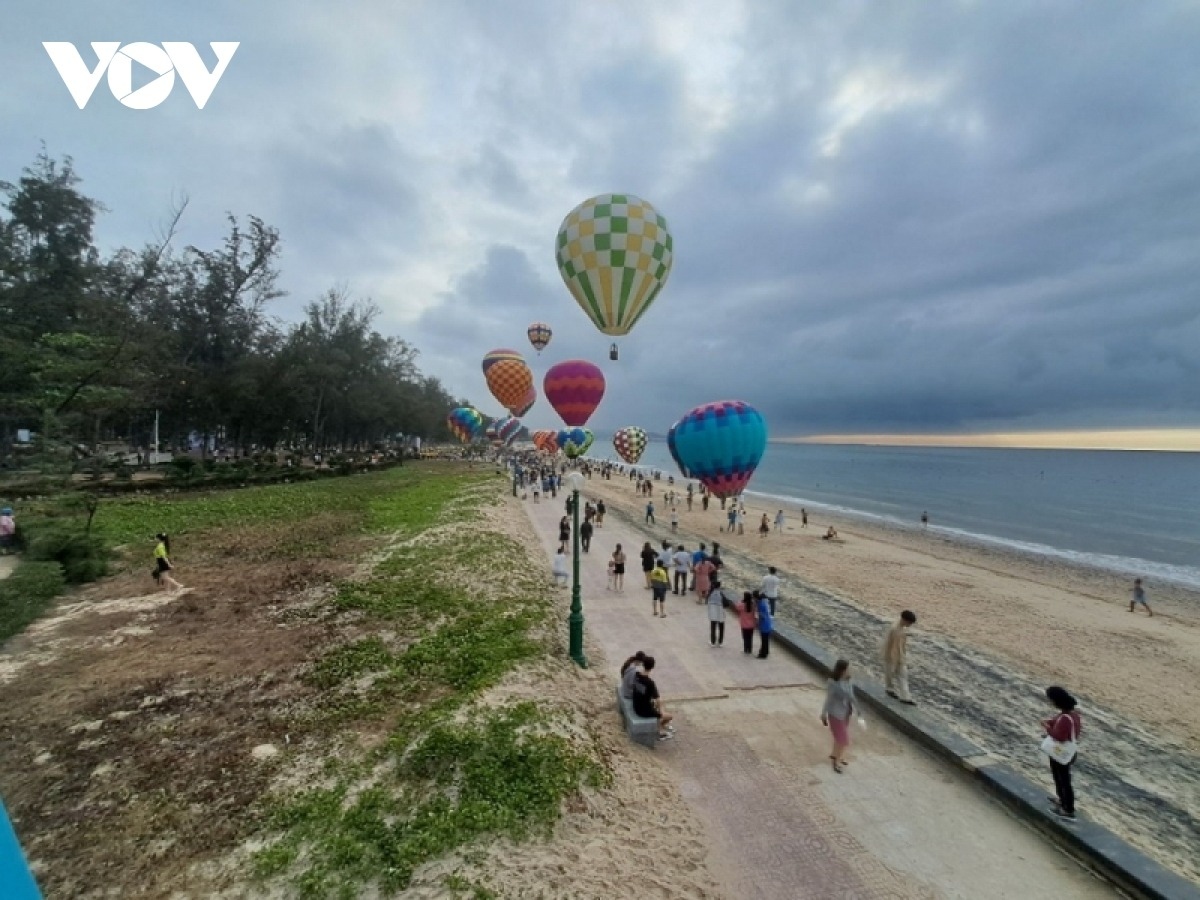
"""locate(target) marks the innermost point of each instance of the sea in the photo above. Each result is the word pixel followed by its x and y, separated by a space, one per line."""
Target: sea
pixel 1135 512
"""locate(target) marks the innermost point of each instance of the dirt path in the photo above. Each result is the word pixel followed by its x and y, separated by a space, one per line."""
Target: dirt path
pixel 7 564
pixel 1136 777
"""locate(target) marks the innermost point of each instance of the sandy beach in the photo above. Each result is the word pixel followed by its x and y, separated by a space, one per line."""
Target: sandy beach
pixel 994 628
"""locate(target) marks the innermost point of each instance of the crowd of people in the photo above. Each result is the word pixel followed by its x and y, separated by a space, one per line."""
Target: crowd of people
pixel 671 569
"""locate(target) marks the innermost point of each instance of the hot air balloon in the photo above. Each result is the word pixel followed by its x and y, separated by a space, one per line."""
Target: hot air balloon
pixel 574 388
pixel 549 443
pixel 539 335
pixel 577 442
pixel 629 443
pixel 614 253
pixel 530 399
pixel 720 444
pixel 508 429
pixel 494 356
pixel 510 381
pixel 465 422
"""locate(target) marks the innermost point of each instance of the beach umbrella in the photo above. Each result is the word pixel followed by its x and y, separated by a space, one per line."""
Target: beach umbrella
pixel 720 444
pixel 577 442
pixel 574 388
pixel 614 253
pixel 629 443
pixel 539 335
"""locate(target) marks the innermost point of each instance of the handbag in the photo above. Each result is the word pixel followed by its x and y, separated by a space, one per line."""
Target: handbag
pixel 1062 752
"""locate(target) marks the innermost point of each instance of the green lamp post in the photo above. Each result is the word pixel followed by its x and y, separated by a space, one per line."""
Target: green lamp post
pixel 575 483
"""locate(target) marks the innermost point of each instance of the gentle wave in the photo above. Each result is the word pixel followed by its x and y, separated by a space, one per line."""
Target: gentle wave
pixel 1187 576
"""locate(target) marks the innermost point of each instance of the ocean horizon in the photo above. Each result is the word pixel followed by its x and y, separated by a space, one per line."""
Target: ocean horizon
pixel 1135 511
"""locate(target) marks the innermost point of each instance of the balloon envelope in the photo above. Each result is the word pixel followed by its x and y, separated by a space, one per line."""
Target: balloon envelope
pixel 465 422
pixel 574 388
pixel 527 405
pixel 539 335
pixel 629 443
pixel 494 356
pixel 614 253
pixel 720 444
pixel 577 442
pixel 510 381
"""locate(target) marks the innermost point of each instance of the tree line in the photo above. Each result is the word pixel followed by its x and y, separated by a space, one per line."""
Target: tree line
pixel 92 346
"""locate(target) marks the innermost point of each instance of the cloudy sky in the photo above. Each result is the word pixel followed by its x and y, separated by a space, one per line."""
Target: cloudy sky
pixel 888 217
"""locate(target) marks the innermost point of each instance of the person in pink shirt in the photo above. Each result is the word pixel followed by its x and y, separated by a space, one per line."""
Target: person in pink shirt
pixel 703 571
pixel 747 620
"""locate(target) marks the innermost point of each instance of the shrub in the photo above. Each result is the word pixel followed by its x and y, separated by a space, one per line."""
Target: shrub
pixel 82 557
pixel 182 466
pixel 25 594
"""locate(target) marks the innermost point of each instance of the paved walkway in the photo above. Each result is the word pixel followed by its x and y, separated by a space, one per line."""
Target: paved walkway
pixel 751 757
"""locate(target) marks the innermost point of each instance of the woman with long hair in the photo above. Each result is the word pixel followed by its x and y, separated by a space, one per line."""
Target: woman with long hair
pixel 649 558
pixel 1062 735
pixel 618 559
pixel 838 708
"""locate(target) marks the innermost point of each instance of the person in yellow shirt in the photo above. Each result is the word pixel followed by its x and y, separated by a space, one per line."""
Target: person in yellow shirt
pixel 162 564
pixel 660 581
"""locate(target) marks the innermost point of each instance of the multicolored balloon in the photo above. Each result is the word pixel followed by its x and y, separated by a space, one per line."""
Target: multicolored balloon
pixel 465 422
pixel 510 381
pixel 577 442
pixel 630 443
pixel 539 335
pixel 574 388
pixel 507 430
pixel 530 399
pixel 721 444
pixel 614 253
pixel 494 356
pixel 545 441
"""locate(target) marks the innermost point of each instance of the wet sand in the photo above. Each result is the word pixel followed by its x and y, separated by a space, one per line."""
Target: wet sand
pixel 994 629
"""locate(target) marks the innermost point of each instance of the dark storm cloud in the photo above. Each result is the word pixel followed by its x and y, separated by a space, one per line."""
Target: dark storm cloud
pixel 924 216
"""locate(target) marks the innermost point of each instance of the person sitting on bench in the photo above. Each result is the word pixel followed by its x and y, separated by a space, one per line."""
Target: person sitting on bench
pixel 646 702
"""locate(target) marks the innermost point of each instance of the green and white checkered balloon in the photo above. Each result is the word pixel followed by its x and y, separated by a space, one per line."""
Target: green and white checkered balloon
pixel 614 252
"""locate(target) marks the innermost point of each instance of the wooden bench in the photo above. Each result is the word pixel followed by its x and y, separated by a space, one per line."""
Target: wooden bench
pixel 639 728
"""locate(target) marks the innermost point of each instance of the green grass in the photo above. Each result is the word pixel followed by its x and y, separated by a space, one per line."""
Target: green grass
pixel 25 594
pixel 454 771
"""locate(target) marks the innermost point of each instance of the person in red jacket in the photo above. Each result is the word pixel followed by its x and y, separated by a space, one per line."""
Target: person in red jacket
pixel 1064 727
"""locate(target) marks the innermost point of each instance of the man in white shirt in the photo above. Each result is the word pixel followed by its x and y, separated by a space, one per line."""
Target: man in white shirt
pixel 770 588
pixel 683 565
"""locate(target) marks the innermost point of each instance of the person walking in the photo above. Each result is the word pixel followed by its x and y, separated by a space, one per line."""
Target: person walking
pixel 618 559
pixel 698 557
pixel 766 625
pixel 803 517
pixel 650 513
pixel 704 501
pixel 779 521
pixel 895 658
pixel 682 561
pixel 162 563
pixel 646 700
pixel 1061 746
pixel 674 519
pixel 689 496
pixel 8 531
pixel 839 707
pixel 717 604
pixel 585 535
pixel 649 557
pixel 770 587
pixel 559 567
pixel 601 509
pixel 1138 597
pixel 925 520
pixel 747 621
pixel 704 573
pixel 731 517
pixel 564 530
pixel 764 527
pixel 741 519
pixel 660 582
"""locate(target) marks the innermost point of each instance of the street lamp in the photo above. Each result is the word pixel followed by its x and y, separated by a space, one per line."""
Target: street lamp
pixel 575 483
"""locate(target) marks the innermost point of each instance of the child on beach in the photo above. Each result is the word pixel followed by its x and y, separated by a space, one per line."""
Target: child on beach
pixel 1138 597
pixel 612 576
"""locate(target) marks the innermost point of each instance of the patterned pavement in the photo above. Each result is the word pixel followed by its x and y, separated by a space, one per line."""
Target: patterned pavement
pixel 751 758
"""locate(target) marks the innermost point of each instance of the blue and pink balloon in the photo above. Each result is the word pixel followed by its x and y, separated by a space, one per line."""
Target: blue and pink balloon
pixel 720 445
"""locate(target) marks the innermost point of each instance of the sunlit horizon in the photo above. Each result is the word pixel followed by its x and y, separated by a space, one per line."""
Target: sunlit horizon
pixel 1179 440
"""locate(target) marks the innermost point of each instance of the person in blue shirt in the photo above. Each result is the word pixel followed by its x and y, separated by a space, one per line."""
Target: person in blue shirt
pixel 765 625
pixel 698 557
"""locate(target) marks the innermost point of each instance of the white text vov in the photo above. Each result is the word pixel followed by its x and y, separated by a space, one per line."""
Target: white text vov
pixel 118 60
